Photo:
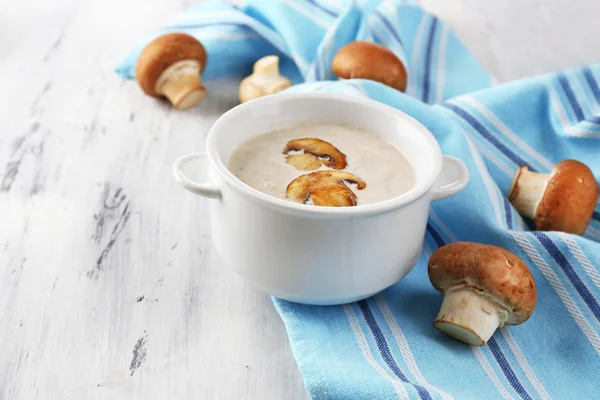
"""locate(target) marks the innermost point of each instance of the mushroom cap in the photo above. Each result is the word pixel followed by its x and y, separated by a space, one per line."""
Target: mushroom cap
pixel 569 200
pixel 366 60
pixel 492 270
pixel 163 52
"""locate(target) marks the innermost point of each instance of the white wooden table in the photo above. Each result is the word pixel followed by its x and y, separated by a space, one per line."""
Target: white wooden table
pixel 109 285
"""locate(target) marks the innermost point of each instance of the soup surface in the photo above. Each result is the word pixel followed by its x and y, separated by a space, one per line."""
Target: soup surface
pixel 323 164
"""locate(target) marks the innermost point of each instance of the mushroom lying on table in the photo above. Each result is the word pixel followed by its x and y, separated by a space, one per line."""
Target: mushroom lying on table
pixel 316 152
pixel 563 200
pixel 325 188
pixel 365 60
pixel 265 80
pixel 170 66
pixel 484 287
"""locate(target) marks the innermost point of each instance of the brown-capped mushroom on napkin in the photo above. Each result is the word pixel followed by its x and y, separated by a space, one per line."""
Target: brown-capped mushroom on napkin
pixel 265 80
pixel 562 200
pixel 366 60
pixel 484 287
pixel 170 66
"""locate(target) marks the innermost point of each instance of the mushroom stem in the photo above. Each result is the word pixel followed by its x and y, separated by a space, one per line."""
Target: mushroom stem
pixel 267 67
pixel 181 84
pixel 469 316
pixel 526 191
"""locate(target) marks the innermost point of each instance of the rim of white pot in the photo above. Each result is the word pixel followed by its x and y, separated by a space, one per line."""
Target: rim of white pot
pixel 421 188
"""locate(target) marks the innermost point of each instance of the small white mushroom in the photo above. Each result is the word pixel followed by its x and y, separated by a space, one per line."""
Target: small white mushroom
pixel 264 80
pixel 484 287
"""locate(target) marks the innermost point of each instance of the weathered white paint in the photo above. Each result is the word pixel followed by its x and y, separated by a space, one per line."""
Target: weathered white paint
pixel 91 221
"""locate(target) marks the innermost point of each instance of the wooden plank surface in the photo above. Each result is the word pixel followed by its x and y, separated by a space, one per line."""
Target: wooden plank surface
pixel 110 287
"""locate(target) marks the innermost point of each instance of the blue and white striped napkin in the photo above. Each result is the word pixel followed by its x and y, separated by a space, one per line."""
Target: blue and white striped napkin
pixel 306 34
pixel 385 347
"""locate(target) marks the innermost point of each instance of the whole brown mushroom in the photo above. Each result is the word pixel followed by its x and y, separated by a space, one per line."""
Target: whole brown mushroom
pixel 366 60
pixel 484 287
pixel 563 200
pixel 170 66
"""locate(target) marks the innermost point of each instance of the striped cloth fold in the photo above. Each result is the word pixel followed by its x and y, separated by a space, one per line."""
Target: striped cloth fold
pixel 385 347
pixel 306 34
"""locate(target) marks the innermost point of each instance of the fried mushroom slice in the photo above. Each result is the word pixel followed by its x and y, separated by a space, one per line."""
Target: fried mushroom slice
pixel 325 188
pixel 325 152
pixel 333 196
pixel 305 161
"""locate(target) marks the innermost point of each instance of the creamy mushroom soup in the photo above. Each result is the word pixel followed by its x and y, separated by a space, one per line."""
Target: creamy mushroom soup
pixel 324 165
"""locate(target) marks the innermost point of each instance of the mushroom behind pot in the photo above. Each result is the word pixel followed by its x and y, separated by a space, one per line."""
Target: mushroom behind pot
pixel 170 66
pixel 265 80
pixel 366 60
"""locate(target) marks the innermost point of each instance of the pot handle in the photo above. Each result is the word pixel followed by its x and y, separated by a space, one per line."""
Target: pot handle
pixel 453 178
pixel 200 188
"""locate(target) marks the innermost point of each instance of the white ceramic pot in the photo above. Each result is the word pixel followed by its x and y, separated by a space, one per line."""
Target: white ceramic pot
pixel 319 255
